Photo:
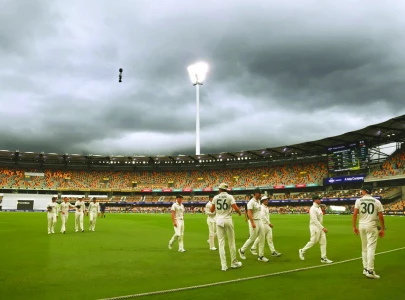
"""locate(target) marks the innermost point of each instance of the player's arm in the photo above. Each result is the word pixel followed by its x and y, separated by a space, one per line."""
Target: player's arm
pixel 354 221
pixel 355 214
pixel 208 211
pixel 236 208
pixel 381 217
pixel 250 216
pixel 174 218
pixel 212 209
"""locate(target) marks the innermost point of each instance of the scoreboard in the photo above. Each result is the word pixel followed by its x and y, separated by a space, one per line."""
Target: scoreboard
pixel 348 157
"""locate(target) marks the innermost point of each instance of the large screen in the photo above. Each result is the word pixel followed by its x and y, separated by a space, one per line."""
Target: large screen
pixel 348 157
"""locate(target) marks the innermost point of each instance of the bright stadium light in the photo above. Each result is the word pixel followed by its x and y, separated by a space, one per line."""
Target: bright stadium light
pixel 198 73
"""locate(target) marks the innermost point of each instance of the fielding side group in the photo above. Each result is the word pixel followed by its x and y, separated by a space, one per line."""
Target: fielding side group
pixel 219 212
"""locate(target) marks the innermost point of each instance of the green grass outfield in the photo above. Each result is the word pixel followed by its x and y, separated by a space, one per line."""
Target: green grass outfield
pixel 128 254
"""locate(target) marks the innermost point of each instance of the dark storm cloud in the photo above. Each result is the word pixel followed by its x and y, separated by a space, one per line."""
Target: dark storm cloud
pixel 280 73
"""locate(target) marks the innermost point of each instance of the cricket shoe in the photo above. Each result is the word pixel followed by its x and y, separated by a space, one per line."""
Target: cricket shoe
pixel 182 250
pixel 170 246
pixel 224 269
pixel 236 265
pixel 325 260
pixel 263 259
pixel 253 251
pixel 275 253
pixel 372 275
pixel 365 271
pixel 241 254
pixel 301 254
pixel 213 248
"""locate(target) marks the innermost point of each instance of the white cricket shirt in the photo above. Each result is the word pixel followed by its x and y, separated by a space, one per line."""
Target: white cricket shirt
pixel 94 207
pixel 369 208
pixel 64 207
pixel 54 209
pixel 179 211
pixel 210 215
pixel 265 214
pixel 223 205
pixel 255 206
pixel 316 216
pixel 82 206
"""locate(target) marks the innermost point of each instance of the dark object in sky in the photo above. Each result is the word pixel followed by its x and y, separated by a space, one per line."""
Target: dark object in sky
pixel 120 76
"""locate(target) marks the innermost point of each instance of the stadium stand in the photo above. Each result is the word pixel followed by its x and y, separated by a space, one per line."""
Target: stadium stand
pixel 79 179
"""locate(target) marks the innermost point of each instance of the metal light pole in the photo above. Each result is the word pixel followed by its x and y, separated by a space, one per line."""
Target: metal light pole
pixel 198 73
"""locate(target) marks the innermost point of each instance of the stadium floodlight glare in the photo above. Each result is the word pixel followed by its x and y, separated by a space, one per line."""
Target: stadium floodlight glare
pixel 198 73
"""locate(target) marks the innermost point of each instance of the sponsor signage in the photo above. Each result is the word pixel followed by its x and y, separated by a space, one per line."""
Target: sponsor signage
pixel 300 185
pixel 345 179
pixel 278 186
pixel 25 204
pixel 207 189
pixel 34 174
pixel 187 190
pixel 146 190
pixel 157 190
pixel 166 190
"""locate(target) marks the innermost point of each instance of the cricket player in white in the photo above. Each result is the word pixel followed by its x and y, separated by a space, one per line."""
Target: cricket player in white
pixel 212 226
pixel 178 223
pixel 94 209
pixel 79 214
pixel 53 209
pixel 256 229
pixel 318 232
pixel 64 212
pixel 223 204
pixel 369 211
pixel 268 231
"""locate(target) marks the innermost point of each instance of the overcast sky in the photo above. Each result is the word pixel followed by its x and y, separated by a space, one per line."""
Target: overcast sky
pixel 281 72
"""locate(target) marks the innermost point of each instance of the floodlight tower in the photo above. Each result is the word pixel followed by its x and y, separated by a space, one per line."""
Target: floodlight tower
pixel 198 73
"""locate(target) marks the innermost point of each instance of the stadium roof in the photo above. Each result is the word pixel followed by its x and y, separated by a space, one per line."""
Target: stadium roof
pixel 375 135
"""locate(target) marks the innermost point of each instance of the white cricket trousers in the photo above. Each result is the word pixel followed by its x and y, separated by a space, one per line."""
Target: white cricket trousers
pixel 226 231
pixel 93 220
pixel 51 222
pixel 369 237
pixel 317 235
pixel 178 234
pixel 268 236
pixel 64 218
pixel 212 229
pixel 79 221
pixel 255 233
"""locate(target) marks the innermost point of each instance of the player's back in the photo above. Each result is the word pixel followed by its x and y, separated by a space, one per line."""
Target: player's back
pixel 223 205
pixel 369 208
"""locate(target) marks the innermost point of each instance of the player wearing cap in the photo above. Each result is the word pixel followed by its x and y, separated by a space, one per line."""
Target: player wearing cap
pixel 94 209
pixel 223 204
pixel 256 229
pixel 268 231
pixel 64 212
pixel 178 223
pixel 318 232
pixel 211 223
pixel 79 214
pixel 369 211
pixel 52 214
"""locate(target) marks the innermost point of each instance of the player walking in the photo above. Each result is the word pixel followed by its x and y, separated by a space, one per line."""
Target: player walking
pixel 268 231
pixel 256 229
pixel 178 223
pixel 222 205
pixel 79 214
pixel 318 232
pixel 212 226
pixel 53 209
pixel 94 209
pixel 64 212
pixel 369 210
